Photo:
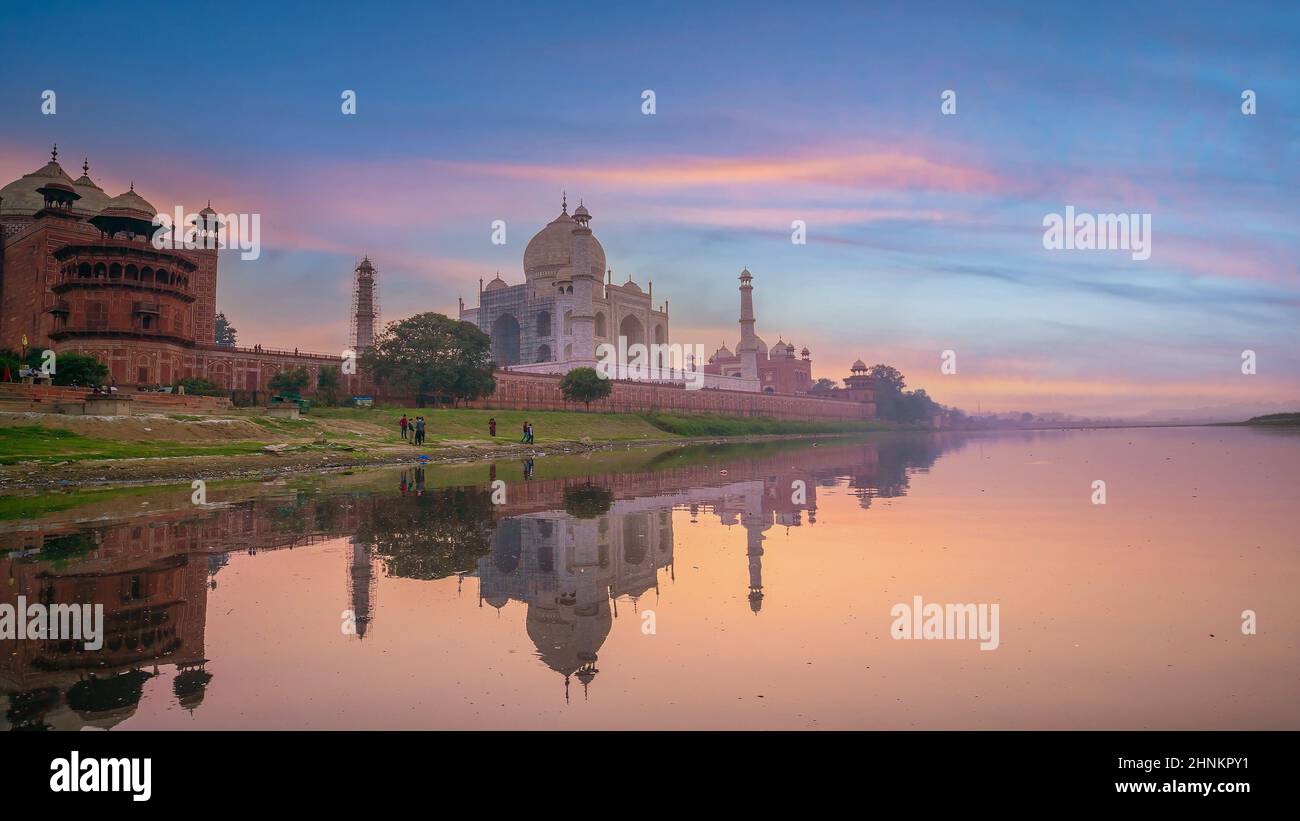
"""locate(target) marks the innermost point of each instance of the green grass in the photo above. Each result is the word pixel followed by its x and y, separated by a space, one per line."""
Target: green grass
pixel 274 423
pixel 707 425
pixel 31 443
pixel 471 424
pixel 36 505
pixel 468 424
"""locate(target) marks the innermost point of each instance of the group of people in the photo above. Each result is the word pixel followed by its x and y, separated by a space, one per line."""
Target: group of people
pixel 415 427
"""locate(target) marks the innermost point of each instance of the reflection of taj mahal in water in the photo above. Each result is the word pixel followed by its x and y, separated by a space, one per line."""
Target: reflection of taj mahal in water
pixel 570 572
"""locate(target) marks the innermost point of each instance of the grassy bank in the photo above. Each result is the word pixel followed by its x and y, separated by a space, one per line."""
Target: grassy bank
pixel 469 424
pixel 706 425
pixel 34 443
pixel 463 424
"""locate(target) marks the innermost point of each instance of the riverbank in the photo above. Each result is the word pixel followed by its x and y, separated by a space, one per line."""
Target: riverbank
pixel 57 451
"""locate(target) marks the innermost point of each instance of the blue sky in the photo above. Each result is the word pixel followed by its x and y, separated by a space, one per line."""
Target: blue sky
pixel 924 230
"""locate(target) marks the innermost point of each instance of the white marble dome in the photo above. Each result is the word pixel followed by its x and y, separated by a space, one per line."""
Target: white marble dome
pixel 551 249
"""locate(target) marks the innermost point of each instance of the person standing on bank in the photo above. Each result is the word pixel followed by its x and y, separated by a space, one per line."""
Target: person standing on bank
pixel 492 426
pixel 419 429
pixel 403 424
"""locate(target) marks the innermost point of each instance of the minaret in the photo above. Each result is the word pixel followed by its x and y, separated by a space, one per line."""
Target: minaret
pixel 365 307
pixel 748 348
pixel 584 288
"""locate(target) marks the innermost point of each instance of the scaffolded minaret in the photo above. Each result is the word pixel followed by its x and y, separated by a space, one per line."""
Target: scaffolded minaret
pixel 365 307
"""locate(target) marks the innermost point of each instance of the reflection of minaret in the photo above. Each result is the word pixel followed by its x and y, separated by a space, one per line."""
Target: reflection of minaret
pixel 756 519
pixel 748 348
pixel 590 600
pixel 754 544
pixel 361 578
pixel 365 307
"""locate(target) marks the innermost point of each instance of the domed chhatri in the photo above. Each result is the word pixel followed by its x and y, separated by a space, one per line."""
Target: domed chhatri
pixel 127 213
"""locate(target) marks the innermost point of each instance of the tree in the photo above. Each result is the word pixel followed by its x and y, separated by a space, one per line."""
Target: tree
pixel 917 406
pixel 198 386
pixel 823 385
pixel 225 332
pixel 585 385
pixel 292 381
pixel 889 384
pixel 432 355
pixel 14 362
pixel 327 383
pixel 77 369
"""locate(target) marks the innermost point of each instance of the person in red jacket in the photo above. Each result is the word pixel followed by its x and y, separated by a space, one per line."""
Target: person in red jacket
pixel 403 424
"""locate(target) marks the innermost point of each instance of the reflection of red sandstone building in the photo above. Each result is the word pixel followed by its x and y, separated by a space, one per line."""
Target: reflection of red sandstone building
pixel 78 273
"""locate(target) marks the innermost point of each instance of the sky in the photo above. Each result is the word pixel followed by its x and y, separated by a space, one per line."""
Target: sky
pixel 924 230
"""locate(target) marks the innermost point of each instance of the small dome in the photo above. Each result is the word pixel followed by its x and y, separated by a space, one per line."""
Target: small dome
pixel 805 352
pixel 496 284
pixel 759 346
pixel 93 199
pixel 859 366
pixel 581 211
pixel 132 203
pixel 632 286
pixel 722 353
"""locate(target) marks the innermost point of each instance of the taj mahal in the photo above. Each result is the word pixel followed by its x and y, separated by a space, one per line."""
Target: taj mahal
pixel 569 307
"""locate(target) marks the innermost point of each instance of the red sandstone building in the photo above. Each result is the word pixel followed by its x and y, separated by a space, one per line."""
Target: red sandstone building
pixel 79 273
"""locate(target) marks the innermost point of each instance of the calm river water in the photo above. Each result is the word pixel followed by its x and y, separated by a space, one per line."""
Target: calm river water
pixel 690 587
